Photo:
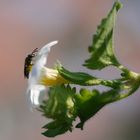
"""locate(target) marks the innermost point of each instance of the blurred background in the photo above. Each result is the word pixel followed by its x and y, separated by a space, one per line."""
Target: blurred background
pixel 27 24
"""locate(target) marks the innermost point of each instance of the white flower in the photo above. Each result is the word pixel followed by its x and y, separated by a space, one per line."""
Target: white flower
pixel 41 76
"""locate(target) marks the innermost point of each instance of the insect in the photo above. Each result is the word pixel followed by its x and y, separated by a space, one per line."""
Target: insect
pixel 29 62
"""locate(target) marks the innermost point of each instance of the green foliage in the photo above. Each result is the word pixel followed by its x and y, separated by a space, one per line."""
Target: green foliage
pixel 79 78
pixel 65 104
pixel 85 79
pixel 90 102
pixel 101 50
pixel 60 107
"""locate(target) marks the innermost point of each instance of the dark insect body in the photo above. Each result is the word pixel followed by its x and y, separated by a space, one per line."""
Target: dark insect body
pixel 29 62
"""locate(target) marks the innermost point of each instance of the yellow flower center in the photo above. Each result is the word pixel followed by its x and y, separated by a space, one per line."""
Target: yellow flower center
pixel 50 77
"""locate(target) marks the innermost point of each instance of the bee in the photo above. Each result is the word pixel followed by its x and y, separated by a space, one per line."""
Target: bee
pixel 28 63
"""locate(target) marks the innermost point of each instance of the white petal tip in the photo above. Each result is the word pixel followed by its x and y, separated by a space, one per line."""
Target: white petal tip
pixel 51 43
pixel 46 49
pixel 55 42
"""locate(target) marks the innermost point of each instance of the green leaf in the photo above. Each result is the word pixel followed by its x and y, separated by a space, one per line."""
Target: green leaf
pixel 51 125
pixel 90 102
pixel 88 105
pixel 79 78
pixel 55 128
pixel 54 132
pixel 85 79
pixel 101 50
pixel 60 107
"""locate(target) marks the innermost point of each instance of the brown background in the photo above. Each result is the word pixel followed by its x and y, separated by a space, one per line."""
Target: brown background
pixel 27 24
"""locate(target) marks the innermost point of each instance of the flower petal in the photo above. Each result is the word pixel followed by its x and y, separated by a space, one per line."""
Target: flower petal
pixel 46 49
pixel 42 55
pixel 37 94
pixel 40 61
pixel 35 90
